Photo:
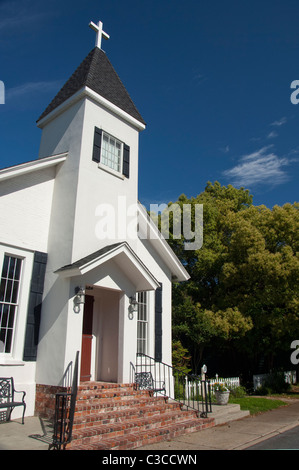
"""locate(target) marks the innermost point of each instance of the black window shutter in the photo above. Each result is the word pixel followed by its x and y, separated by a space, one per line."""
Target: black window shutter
pixel 35 306
pixel 126 161
pixel 97 141
pixel 158 324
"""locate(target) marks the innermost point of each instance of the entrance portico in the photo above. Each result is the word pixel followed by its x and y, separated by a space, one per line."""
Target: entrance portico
pixel 108 330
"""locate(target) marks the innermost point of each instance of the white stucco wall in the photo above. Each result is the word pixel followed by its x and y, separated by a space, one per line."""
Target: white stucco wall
pixel 63 134
pixel 25 209
pixel 97 186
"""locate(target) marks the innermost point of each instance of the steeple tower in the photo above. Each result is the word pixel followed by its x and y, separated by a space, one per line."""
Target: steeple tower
pixel 95 121
pixel 97 74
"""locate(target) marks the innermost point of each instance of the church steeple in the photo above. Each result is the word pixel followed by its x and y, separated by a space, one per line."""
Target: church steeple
pixel 94 120
pixel 96 73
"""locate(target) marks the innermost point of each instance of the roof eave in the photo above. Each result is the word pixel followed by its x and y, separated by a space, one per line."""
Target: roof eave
pixel 89 93
pixel 83 268
pixel 33 165
pixel 155 237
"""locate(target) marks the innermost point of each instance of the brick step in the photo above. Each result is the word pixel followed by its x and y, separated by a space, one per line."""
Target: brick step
pixel 137 439
pixel 132 425
pixel 92 394
pixel 102 385
pixel 113 404
pixel 108 417
pixel 116 416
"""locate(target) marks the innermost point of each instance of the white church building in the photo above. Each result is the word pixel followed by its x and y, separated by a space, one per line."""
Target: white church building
pixel 77 249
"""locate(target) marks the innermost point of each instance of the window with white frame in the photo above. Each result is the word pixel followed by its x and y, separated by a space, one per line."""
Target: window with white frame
pixel 111 154
pixel 142 323
pixel 9 296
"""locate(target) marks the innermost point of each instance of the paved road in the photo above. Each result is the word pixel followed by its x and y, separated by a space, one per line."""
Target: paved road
pixel 288 440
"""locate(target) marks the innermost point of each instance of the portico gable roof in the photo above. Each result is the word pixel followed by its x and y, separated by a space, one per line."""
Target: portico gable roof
pixel 124 256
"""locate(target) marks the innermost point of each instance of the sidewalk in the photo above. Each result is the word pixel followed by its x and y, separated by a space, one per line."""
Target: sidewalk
pixel 35 434
pixel 236 435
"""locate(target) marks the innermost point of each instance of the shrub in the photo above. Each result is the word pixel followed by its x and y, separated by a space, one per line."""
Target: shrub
pixel 262 390
pixel 274 383
pixel 238 392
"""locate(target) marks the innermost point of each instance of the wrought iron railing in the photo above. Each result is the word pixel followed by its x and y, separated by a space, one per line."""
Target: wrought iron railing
pixel 188 389
pixel 64 413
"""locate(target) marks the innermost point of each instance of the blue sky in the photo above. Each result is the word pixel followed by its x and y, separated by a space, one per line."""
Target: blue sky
pixel 210 78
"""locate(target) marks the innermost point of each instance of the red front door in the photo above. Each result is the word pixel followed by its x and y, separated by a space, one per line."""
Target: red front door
pixel 85 374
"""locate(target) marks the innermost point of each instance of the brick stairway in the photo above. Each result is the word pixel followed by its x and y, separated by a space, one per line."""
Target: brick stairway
pixel 117 417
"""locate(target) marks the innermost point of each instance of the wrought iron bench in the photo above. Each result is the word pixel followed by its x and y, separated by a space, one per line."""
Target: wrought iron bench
pixel 7 396
pixel 145 381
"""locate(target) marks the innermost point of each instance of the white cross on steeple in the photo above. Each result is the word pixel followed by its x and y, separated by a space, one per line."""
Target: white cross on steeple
pixel 100 33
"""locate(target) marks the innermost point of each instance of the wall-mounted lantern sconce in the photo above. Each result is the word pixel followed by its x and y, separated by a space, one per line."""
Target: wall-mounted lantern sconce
pixel 133 307
pixel 79 299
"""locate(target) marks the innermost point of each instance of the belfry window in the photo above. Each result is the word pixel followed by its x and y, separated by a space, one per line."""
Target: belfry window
pixel 111 153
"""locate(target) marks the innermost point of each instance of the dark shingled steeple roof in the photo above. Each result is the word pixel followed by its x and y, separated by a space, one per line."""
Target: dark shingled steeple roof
pixel 97 73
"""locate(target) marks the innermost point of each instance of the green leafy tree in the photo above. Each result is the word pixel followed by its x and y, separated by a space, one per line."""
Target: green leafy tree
pixel 180 357
pixel 261 276
pixel 243 291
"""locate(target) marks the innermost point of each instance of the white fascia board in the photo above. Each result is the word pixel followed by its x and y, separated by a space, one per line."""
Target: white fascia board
pixel 62 107
pixel 88 92
pixel 34 165
pixel 115 109
pixel 93 264
pixel 160 244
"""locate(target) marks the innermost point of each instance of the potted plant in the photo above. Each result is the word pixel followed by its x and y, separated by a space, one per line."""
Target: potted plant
pixel 221 393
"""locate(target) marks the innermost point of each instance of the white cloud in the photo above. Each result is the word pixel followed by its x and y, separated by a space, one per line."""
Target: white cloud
pixel 260 167
pixel 272 134
pixel 256 154
pixel 280 122
pixel 32 88
pixel 224 149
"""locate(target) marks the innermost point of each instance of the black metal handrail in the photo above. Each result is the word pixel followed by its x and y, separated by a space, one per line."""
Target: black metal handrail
pixel 65 403
pixel 188 389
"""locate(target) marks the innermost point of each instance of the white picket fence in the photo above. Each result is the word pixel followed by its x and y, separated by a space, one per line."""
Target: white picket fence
pixel 229 382
pixel 191 388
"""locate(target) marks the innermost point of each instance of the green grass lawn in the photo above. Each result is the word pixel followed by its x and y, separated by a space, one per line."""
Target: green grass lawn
pixel 257 404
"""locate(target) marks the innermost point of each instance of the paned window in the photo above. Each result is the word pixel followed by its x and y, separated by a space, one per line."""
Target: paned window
pixel 111 154
pixel 142 323
pixel 9 294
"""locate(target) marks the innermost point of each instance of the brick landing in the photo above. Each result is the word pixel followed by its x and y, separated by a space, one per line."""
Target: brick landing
pixel 117 417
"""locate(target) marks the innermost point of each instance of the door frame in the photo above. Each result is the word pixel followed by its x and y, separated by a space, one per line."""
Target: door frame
pixel 86 342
